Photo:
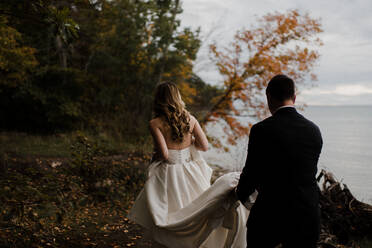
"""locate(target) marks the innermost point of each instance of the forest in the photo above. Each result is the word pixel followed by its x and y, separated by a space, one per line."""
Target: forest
pixel 92 65
pixel 76 91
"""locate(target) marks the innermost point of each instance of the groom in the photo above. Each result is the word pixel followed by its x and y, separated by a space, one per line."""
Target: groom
pixel 281 165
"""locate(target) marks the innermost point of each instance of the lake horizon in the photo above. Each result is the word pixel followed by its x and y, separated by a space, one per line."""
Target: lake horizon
pixel 346 146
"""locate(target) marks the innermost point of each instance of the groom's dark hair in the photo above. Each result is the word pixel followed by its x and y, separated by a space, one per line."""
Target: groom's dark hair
pixel 281 88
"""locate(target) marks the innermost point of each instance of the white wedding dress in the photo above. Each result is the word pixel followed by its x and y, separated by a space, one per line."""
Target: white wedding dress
pixel 180 208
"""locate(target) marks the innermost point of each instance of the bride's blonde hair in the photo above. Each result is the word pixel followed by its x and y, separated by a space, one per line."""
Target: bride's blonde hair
pixel 169 105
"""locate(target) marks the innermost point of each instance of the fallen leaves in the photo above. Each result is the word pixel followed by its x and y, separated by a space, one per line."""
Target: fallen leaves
pixel 93 224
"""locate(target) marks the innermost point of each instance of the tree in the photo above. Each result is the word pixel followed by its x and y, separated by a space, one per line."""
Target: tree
pixel 281 43
pixel 138 45
pixel 98 62
pixel 16 60
pixel 48 98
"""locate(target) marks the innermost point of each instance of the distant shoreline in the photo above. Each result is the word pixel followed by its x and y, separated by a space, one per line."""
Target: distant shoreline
pixel 341 106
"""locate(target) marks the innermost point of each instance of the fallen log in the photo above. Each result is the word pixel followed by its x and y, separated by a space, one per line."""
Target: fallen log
pixel 344 219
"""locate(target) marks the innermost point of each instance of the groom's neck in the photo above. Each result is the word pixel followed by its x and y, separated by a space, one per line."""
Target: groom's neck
pixel 286 103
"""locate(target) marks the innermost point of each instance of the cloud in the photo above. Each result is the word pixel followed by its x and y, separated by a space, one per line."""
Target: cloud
pixel 344 69
pixel 352 90
pixel 343 94
pixel 342 90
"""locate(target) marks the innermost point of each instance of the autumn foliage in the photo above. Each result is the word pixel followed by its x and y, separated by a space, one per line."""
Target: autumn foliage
pixel 16 61
pixel 280 43
pixel 67 65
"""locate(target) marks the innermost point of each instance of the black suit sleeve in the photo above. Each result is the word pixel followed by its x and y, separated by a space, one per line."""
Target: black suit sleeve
pixel 248 178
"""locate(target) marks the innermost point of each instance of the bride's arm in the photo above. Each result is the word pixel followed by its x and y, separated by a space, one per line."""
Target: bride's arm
pixel 201 142
pixel 159 141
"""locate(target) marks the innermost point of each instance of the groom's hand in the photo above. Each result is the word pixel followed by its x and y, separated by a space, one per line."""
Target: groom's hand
pixel 235 194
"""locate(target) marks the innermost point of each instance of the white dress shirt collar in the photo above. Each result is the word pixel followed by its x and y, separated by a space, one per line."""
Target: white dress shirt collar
pixel 285 106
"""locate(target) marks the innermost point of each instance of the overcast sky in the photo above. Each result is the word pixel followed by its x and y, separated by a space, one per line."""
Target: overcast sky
pixel 345 67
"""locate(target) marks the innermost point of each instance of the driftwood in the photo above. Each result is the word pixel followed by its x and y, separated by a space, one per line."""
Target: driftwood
pixel 344 219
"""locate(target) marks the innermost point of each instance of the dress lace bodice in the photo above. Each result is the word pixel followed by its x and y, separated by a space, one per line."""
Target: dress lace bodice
pixel 179 156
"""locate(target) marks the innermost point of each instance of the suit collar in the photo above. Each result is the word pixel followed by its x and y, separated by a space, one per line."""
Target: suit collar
pixel 285 109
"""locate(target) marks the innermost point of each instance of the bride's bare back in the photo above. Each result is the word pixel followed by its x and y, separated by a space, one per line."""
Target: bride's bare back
pixel 163 141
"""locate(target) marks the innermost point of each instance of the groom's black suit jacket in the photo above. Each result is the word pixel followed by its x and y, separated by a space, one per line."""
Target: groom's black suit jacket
pixel 281 165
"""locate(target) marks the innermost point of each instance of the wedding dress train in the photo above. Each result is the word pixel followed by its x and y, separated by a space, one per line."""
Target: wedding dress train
pixel 180 208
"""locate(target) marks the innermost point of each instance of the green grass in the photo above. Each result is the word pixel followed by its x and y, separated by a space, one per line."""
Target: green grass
pixel 365 243
pixel 58 145
pixel 21 144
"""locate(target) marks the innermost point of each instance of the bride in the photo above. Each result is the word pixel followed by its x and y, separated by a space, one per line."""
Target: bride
pixel 178 206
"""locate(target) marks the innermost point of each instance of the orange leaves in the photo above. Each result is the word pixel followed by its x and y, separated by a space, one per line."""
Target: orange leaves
pixel 281 43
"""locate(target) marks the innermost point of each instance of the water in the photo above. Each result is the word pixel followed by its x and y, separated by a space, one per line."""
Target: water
pixel 347 148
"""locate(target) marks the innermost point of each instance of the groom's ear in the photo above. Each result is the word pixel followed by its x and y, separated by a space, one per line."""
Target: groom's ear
pixel 294 99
